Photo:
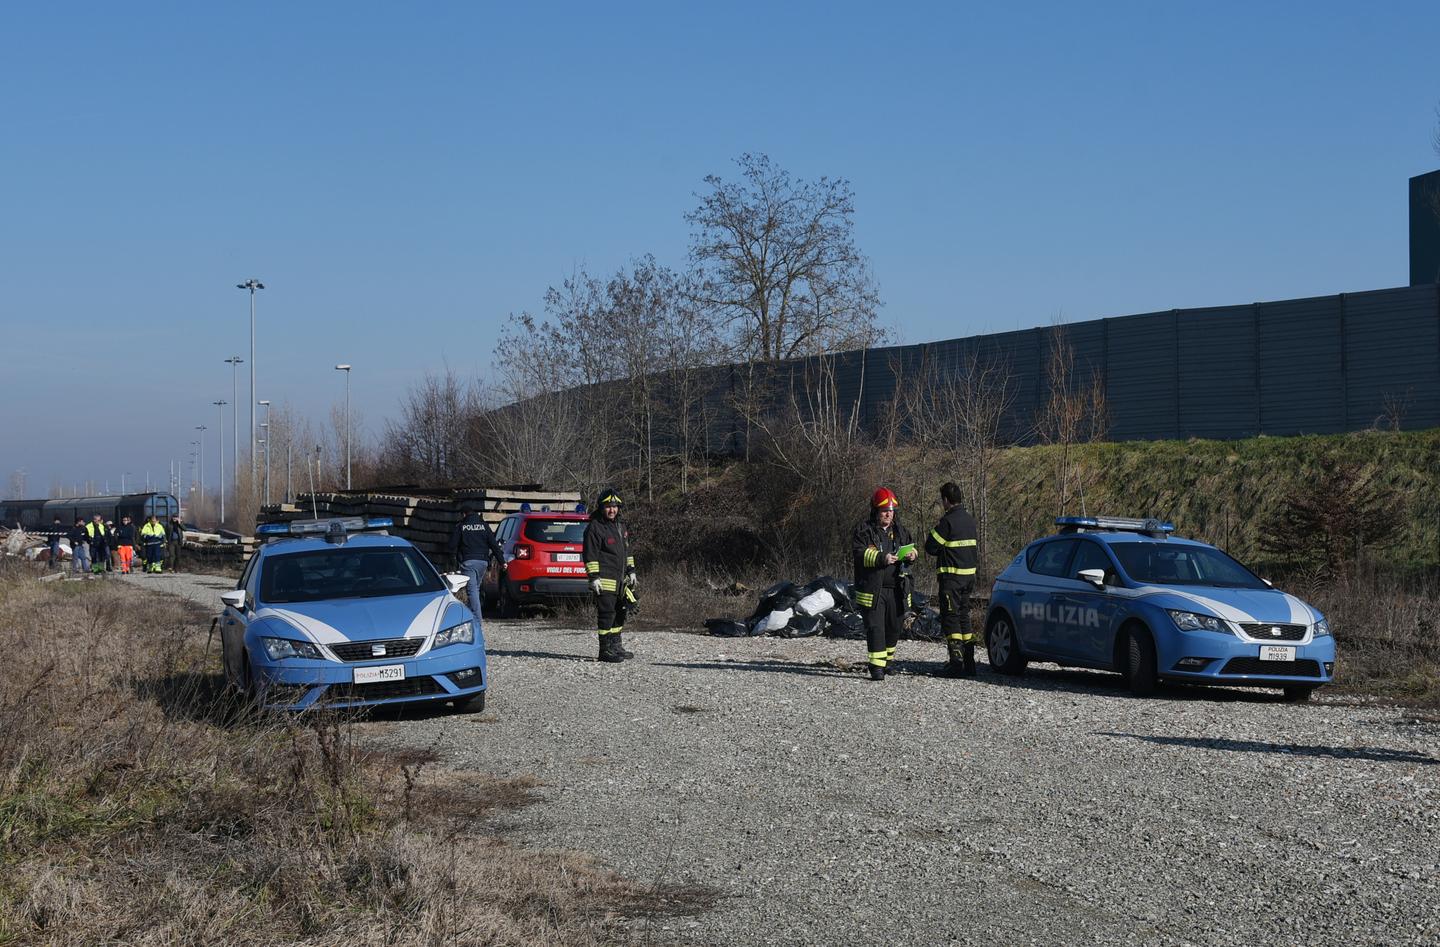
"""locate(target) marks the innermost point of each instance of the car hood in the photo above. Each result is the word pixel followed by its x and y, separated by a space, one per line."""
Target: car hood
pixel 368 619
pixel 1237 605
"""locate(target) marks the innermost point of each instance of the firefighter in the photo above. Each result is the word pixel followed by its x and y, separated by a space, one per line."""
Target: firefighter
pixel 611 570
pixel 881 582
pixel 952 543
pixel 125 539
pixel 152 538
pixel 99 540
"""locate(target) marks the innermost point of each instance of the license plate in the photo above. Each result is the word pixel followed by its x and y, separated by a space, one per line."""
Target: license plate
pixel 567 557
pixel 386 672
pixel 1275 652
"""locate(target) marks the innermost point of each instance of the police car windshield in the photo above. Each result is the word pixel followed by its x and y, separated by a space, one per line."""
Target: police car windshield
pixel 571 532
pixel 344 572
pixel 1175 564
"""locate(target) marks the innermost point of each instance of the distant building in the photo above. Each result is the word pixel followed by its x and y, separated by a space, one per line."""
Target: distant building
pixel 1425 229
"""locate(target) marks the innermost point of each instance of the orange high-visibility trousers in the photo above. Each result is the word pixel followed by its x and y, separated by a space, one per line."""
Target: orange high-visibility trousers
pixel 126 554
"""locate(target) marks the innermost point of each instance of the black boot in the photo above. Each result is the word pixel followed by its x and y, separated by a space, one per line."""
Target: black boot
pixel 877 673
pixel 967 661
pixel 608 654
pixel 620 647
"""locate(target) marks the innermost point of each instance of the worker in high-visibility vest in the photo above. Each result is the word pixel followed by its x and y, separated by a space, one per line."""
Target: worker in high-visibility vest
pixel 98 538
pixel 152 537
pixel 953 544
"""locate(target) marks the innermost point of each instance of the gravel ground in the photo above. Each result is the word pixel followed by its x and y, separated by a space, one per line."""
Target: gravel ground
pixel 1049 809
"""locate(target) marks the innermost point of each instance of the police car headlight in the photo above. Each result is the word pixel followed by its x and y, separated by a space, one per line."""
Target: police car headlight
pixel 463 633
pixel 1192 621
pixel 277 649
pixel 1322 629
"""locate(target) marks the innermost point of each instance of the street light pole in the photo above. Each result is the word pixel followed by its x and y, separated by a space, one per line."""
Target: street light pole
pixel 265 427
pixel 235 362
pixel 252 284
pixel 221 405
pixel 346 370
pixel 201 442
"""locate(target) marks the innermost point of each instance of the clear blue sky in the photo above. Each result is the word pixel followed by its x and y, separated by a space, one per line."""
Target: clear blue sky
pixel 403 176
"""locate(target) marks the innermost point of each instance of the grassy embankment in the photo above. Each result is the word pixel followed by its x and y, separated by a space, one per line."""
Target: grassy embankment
pixel 138 806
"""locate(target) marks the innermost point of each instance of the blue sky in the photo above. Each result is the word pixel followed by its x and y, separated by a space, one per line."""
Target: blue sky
pixel 404 176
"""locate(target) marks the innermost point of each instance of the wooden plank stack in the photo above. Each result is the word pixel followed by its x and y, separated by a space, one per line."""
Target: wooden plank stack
pixel 426 518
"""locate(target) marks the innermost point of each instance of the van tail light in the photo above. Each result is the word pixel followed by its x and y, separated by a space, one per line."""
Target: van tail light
pixel 524 551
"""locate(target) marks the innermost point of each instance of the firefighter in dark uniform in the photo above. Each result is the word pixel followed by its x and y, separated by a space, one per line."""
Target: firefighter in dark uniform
pixel 611 570
pixel 881 582
pixel 952 543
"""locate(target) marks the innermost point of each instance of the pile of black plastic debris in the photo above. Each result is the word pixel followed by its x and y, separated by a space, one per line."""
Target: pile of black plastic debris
pixel 823 606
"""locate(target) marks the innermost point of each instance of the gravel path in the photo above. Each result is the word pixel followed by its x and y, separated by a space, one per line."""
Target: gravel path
pixel 1050 809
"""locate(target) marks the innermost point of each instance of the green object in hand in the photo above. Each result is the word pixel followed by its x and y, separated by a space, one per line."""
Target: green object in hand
pixel 905 551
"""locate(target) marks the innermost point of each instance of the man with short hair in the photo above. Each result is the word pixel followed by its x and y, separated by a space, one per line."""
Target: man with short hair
pixel 79 547
pixel 472 546
pixel 953 544
pixel 99 539
pixel 152 537
pixel 125 543
pixel 176 536
pixel 57 533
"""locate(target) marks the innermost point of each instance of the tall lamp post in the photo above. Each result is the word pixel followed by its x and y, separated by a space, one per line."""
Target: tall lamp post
pixel 265 424
pixel 201 442
pixel 221 405
pixel 252 285
pixel 346 370
pixel 235 362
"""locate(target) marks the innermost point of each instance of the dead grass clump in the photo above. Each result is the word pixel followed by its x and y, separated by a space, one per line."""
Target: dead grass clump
pixel 1387 635
pixel 139 805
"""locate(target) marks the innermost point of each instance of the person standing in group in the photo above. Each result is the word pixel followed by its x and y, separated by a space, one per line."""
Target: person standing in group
pixel 472 546
pixel 611 570
pixel 176 535
pixel 152 537
pixel 125 544
pixel 881 547
pixel 57 533
pixel 99 540
pixel 79 547
pixel 953 544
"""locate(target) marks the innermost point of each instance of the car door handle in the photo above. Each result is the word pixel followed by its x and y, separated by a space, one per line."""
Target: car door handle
pixel 1019 592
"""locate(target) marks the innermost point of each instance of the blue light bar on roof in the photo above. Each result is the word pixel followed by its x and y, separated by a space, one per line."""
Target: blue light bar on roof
pixel 347 524
pixel 1128 524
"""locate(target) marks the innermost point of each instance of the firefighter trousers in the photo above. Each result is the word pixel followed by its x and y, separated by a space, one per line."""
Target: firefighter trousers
pixel 882 626
pixel 955 614
pixel 610 612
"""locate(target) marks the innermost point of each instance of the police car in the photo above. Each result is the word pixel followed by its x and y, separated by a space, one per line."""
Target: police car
pixel 1126 595
pixel 326 614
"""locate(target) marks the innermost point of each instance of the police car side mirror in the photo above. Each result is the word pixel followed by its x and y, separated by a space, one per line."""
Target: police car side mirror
pixel 456 581
pixel 1095 577
pixel 235 598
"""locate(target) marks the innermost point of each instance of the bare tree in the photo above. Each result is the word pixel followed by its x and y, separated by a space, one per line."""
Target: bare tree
pixel 778 263
pixel 430 442
pixel 1074 412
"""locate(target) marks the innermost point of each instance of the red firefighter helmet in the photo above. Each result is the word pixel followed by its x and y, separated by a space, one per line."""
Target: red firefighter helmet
pixel 884 499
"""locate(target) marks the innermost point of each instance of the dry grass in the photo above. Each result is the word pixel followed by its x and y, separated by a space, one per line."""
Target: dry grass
pixel 138 805
pixel 1387 633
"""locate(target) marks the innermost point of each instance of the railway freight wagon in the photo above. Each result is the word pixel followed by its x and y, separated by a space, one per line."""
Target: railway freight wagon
pixel 39 515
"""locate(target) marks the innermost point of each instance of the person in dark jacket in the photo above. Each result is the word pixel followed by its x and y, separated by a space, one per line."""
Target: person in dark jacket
pixel 176 535
pixel 952 542
pixel 99 539
pixel 472 546
pixel 57 533
pixel 79 547
pixel 611 570
pixel 125 543
pixel 881 582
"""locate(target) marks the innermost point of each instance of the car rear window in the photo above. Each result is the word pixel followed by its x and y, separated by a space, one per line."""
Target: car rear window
pixel 1050 558
pixel 569 532
pixel 1163 564
pixel 346 573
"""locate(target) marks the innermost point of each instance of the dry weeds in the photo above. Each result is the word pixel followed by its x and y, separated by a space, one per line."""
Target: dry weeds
pixel 139 805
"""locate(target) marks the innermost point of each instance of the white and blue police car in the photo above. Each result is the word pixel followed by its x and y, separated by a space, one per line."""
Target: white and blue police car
pixel 1124 594
pixel 328 615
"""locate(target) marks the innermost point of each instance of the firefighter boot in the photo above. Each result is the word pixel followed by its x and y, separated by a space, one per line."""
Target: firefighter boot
pixel 967 661
pixel 955 666
pixel 620 648
pixel 608 652
pixel 877 673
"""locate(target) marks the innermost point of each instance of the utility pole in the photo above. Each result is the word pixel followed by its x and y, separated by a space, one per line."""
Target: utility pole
pixel 252 284
pixel 221 405
pixel 265 403
pixel 201 428
pixel 235 362
pixel 346 370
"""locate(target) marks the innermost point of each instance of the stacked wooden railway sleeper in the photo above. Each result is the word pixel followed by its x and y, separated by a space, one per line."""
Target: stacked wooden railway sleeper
pixel 426 517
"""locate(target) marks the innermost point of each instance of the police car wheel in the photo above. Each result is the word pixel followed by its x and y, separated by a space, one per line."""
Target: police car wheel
pixel 1140 663
pixel 1003 647
pixel 473 704
pixel 1298 693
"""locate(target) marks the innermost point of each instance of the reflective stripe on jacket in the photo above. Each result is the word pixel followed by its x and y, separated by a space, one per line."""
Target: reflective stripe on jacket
pixel 952 542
